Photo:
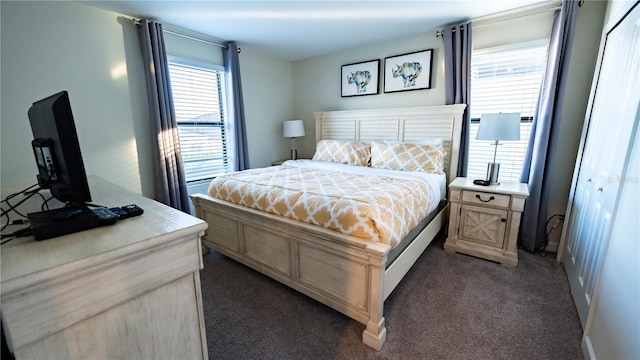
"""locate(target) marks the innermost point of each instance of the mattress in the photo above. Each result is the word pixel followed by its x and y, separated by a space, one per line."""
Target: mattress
pixel 373 204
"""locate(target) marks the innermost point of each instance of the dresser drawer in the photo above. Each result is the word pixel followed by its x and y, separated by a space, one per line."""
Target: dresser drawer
pixel 488 199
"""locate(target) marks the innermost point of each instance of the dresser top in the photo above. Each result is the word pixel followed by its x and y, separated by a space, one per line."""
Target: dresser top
pixel 158 225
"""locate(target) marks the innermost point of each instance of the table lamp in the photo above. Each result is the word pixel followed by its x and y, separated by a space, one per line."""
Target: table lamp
pixel 496 127
pixel 293 129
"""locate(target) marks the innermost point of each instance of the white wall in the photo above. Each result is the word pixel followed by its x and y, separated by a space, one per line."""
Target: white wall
pixel 95 55
pixel 267 86
pixel 316 83
pixel 52 46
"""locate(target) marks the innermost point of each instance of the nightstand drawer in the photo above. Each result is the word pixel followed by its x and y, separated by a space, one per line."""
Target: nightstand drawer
pixel 483 198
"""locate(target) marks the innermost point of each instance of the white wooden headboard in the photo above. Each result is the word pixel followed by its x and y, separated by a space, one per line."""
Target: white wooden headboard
pixel 399 124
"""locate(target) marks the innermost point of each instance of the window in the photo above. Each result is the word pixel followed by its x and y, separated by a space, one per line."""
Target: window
pixel 199 99
pixel 504 79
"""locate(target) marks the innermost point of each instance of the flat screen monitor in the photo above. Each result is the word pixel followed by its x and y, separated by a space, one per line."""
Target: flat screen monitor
pixel 57 150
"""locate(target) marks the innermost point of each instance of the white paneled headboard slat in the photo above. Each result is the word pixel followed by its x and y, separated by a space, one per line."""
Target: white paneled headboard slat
pixel 400 124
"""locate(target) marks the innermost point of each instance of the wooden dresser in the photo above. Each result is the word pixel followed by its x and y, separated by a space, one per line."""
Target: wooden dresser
pixel 484 220
pixel 129 290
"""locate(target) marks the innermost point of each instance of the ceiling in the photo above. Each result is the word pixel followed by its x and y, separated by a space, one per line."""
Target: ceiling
pixel 295 30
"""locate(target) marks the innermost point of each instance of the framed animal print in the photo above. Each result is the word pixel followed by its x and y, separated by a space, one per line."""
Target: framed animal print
pixel 360 78
pixel 410 71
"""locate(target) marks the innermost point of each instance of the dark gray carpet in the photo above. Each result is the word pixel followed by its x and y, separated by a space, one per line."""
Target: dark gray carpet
pixel 449 306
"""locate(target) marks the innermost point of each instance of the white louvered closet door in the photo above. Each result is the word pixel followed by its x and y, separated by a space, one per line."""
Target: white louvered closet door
pixel 606 150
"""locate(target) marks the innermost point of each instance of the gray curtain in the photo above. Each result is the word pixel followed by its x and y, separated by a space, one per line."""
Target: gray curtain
pixel 236 107
pixel 457 75
pixel 543 139
pixel 169 180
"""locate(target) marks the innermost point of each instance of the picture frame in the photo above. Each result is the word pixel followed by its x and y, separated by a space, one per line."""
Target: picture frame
pixel 406 72
pixel 360 78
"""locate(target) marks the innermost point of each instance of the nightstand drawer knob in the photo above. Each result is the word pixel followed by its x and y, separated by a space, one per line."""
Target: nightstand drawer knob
pixel 503 220
pixel 479 198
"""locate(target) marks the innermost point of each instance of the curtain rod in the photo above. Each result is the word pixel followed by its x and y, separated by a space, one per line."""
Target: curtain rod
pixel 224 46
pixel 498 19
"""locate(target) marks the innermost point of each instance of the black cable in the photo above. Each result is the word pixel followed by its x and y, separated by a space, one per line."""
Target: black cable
pixel 547 232
pixel 18 193
pixel 28 231
pixel 26 192
pixel 6 241
pixel 9 222
pixel 45 203
pixel 13 207
pixel 5 212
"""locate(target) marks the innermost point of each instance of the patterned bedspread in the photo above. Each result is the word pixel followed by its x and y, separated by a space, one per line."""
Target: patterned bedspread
pixel 379 205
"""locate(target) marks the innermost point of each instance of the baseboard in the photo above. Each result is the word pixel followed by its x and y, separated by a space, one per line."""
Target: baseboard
pixel 587 348
pixel 552 247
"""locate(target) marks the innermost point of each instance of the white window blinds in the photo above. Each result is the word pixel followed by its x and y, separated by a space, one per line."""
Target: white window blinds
pixel 505 79
pixel 199 99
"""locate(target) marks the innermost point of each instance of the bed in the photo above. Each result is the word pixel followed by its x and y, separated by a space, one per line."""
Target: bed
pixel 344 271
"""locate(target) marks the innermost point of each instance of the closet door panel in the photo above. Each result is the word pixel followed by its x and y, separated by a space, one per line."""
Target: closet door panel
pixel 605 154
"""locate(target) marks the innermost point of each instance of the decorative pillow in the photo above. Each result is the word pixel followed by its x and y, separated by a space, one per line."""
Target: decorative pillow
pixel 438 143
pixel 343 152
pixel 408 157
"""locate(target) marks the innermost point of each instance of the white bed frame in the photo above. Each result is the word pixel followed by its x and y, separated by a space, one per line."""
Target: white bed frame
pixel 344 272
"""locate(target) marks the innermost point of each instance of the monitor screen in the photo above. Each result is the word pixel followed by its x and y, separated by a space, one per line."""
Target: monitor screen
pixel 57 150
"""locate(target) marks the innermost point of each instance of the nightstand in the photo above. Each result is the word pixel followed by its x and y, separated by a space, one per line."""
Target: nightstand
pixel 484 220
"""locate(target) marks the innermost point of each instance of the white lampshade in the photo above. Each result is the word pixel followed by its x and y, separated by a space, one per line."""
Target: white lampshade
pixel 293 128
pixel 502 126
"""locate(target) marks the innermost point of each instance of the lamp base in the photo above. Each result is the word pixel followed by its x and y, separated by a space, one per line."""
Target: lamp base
pixel 294 154
pixel 492 173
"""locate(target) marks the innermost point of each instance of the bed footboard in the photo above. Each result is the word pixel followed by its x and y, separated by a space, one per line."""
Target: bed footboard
pixel 341 271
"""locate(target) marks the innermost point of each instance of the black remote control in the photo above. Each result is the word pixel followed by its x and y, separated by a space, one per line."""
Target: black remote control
pixel 127 211
pixel 121 213
pixel 106 216
pixel 133 210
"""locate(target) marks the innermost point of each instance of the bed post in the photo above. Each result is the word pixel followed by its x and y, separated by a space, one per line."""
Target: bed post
pixel 375 334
